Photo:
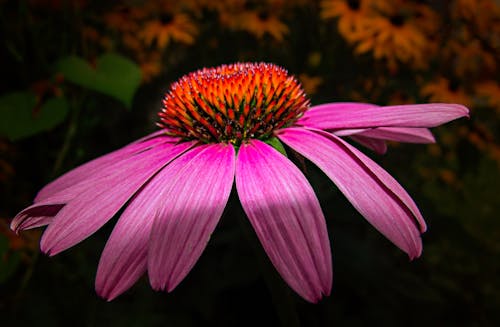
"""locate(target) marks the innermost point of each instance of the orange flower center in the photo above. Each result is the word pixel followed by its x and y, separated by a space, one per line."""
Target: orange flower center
pixel 232 103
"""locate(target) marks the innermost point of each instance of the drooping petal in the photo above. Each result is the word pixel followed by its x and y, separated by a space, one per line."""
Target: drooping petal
pixel 35 216
pixel 378 146
pixel 400 134
pixel 287 218
pixel 195 189
pixel 348 132
pixel 124 258
pixel 334 116
pixel 99 164
pixel 84 183
pixel 370 189
pixel 374 138
pixel 86 213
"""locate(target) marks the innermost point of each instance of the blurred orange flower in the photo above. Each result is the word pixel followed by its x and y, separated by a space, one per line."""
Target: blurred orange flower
pixel 469 57
pixel 490 91
pixel 167 28
pixel 483 14
pixel 262 22
pixel 354 17
pixel 257 18
pixel 441 90
pixel 395 30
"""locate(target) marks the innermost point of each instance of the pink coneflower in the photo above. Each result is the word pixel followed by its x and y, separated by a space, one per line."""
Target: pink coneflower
pixel 223 124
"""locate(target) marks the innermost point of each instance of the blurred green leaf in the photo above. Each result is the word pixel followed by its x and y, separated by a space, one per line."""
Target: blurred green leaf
pixel 114 75
pixel 20 118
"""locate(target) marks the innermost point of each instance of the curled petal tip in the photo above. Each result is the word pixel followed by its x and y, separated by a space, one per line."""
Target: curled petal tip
pixel 47 248
pixel 106 296
pixel 416 252
pixel 14 226
pixel 465 111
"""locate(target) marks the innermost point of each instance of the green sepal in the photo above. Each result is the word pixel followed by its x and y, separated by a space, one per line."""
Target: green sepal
pixel 275 143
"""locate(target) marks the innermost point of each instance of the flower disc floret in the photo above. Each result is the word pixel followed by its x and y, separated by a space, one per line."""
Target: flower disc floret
pixel 232 103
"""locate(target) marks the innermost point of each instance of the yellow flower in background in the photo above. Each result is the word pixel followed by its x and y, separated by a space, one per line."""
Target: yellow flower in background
pixel 484 14
pixel 229 12
pixel 490 92
pixel 469 57
pixel 354 17
pixel 403 32
pixel 169 27
pixel 164 30
pixel 396 30
pixel 262 22
pixel 441 90
pixel 257 18
pixel 167 22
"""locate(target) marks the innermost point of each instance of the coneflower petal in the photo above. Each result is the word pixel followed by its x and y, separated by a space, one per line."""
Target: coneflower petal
pixel 99 165
pixel 99 174
pixel 334 116
pixel 287 217
pixel 376 145
pixel 35 216
pixel 124 258
pixel 370 189
pixel 400 134
pixel 93 208
pixel 194 191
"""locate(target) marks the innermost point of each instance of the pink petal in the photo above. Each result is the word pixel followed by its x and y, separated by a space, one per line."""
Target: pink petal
pixel 90 168
pixel 124 259
pixel 86 213
pixel 35 216
pixel 400 134
pixel 194 191
pixel 360 115
pixel 370 189
pixel 379 146
pixel 75 190
pixel 374 138
pixel 348 132
pixel 287 218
